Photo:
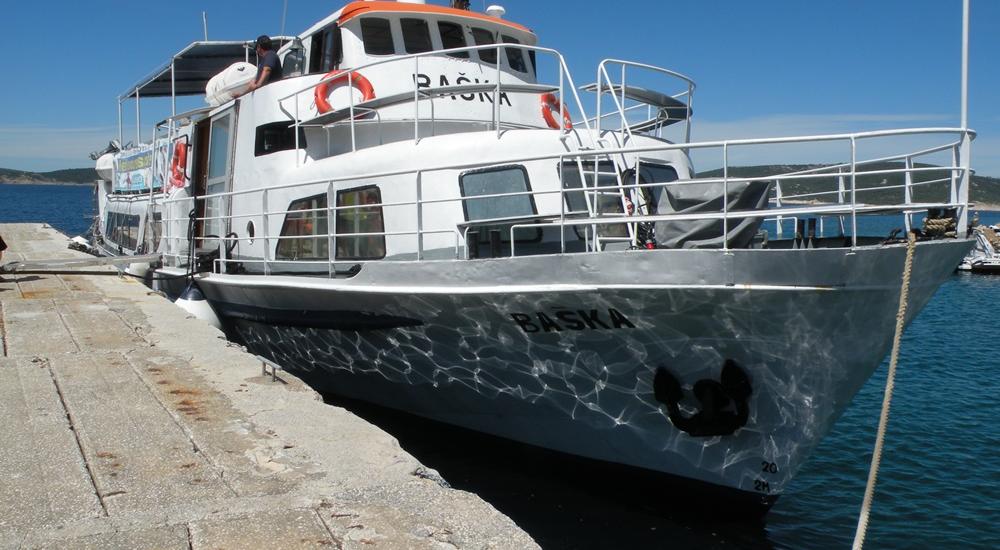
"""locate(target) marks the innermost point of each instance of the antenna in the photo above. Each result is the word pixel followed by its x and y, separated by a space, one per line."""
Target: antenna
pixel 204 23
pixel 284 12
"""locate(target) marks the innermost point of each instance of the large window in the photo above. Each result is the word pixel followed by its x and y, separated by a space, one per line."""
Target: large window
pixel 377 36
pixel 452 36
pixel 360 211
pixel 484 37
pixel 590 191
pixel 218 159
pixel 651 196
pixel 325 52
pixel 416 35
pixel 277 136
pixel 497 181
pixel 518 205
pixel 515 56
pixel 304 231
pixel 122 229
pixel 219 151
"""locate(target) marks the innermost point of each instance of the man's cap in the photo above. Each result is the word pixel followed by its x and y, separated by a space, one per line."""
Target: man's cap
pixel 263 41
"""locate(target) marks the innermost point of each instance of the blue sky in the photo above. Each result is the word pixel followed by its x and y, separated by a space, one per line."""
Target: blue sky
pixel 763 68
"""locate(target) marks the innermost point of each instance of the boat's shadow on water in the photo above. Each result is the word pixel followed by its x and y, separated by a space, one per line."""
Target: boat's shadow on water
pixel 560 503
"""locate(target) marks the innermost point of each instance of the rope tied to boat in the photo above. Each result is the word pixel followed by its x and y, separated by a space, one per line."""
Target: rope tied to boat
pixel 941 227
pixel 904 291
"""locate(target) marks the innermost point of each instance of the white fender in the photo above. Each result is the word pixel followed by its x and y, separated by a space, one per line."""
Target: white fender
pixel 194 302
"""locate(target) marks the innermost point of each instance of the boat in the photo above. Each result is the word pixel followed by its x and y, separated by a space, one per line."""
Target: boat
pixel 984 257
pixel 429 214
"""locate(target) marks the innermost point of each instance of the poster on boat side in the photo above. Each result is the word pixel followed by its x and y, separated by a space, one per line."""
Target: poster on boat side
pixel 134 169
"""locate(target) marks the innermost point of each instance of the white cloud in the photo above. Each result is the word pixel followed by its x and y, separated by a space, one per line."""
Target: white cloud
pixel 986 155
pixel 45 148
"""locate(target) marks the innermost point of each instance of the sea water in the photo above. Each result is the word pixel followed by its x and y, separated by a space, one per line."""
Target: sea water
pixel 68 208
pixel 938 487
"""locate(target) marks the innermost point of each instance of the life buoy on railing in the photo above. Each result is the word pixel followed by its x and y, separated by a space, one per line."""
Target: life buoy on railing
pixel 357 80
pixel 550 106
pixel 178 164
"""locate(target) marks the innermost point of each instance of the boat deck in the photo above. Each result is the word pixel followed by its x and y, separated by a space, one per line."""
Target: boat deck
pixel 127 423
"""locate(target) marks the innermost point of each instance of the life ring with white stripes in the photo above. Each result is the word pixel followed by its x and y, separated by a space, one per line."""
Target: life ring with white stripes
pixel 550 106
pixel 357 80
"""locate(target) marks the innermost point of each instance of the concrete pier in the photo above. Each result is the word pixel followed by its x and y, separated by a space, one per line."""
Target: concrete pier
pixel 127 424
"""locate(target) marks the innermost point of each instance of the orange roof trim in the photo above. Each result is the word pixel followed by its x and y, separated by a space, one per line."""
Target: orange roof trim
pixel 354 9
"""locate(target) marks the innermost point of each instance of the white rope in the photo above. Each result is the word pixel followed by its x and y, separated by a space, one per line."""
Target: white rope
pixel 866 506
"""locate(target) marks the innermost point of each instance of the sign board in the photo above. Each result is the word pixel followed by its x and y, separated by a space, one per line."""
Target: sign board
pixel 134 168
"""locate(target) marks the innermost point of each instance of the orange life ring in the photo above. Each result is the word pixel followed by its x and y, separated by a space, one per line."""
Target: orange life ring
pixel 357 80
pixel 178 165
pixel 550 106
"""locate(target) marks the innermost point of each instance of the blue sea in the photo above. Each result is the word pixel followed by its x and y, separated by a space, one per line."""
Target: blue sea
pixel 68 208
pixel 938 487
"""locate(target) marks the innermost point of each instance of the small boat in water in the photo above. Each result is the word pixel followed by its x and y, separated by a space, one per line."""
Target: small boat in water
pixel 984 257
pixel 426 214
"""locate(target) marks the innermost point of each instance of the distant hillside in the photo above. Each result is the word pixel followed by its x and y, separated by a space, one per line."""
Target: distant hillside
pixel 871 189
pixel 70 175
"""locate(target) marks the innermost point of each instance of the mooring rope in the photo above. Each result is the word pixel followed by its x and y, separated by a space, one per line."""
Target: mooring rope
pixel 866 506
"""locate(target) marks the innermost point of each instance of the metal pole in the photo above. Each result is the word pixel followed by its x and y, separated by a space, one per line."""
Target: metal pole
pixel 420 215
pixel 854 198
pixel 963 190
pixel 725 196
pixel 284 13
pixel 204 23
pixel 173 89
pixel 121 131
pixel 965 64
pixel 908 192
pixel 138 136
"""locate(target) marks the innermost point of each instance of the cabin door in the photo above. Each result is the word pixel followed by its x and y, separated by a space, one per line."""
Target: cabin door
pixel 218 178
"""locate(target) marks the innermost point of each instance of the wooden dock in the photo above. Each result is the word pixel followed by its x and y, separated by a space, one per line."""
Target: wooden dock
pixel 128 424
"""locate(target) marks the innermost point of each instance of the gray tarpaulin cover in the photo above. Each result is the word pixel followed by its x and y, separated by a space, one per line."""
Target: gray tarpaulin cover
pixel 707 197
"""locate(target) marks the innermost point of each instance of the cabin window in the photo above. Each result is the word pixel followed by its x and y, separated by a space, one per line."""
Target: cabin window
pixel 218 157
pixel 584 197
pixel 277 136
pixel 122 229
pixel 377 36
pixel 496 181
pixel 484 37
pixel 416 35
pixel 509 180
pixel 515 56
pixel 360 211
pixel 304 233
pixel 452 36
pixel 651 174
pixel 325 52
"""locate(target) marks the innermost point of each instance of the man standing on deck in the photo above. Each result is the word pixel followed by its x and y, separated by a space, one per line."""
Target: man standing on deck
pixel 268 64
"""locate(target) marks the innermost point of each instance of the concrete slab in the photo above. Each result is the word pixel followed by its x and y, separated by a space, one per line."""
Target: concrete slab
pixel 139 426
pixel 95 327
pixel 45 479
pixel 139 456
pixel 162 538
pixel 34 327
pixel 282 529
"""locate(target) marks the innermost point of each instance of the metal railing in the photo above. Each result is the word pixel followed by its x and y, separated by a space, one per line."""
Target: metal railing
pixel 355 110
pixel 841 177
pixel 605 83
